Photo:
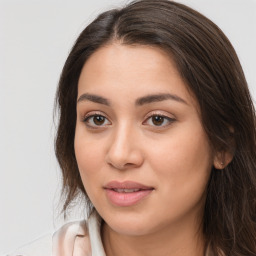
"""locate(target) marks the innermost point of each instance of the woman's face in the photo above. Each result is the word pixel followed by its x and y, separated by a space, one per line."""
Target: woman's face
pixel 142 153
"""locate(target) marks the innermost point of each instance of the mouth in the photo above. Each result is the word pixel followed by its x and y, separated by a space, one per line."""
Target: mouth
pixel 126 190
pixel 126 193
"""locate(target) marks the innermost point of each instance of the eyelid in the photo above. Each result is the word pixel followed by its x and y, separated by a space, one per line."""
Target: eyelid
pixel 95 113
pixel 159 113
pixel 91 114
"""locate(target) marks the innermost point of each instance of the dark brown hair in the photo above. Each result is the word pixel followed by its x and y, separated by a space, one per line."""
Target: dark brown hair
pixel 210 67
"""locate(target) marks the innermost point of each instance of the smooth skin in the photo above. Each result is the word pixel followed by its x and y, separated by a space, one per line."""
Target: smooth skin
pixel 123 134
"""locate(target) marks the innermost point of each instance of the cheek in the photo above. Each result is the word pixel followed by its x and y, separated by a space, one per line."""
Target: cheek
pixel 88 148
pixel 186 146
pixel 89 158
pixel 85 156
pixel 89 165
pixel 183 163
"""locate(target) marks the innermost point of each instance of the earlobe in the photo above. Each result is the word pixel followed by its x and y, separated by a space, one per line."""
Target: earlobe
pixel 222 159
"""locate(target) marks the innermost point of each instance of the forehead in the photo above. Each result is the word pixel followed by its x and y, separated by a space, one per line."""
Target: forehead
pixel 133 59
pixel 129 70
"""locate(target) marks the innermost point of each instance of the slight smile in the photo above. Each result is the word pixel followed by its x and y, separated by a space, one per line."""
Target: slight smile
pixel 126 193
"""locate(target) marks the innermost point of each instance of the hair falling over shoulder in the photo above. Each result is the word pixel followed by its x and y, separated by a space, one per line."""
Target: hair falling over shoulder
pixel 210 67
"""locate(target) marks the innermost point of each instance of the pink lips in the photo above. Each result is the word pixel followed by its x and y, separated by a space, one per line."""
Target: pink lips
pixel 126 193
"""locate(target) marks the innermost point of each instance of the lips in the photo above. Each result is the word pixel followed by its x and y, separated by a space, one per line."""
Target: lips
pixel 126 190
pixel 126 193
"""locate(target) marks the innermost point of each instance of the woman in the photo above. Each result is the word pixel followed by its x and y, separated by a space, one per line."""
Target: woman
pixel 154 99
pixel 157 131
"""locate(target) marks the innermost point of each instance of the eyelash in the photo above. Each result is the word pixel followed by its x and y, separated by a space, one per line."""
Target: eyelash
pixel 90 117
pixel 166 119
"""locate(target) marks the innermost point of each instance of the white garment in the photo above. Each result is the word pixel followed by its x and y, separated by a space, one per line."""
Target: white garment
pixel 78 238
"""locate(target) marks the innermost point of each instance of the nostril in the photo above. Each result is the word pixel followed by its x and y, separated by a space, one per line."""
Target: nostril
pixel 123 154
pixel 117 166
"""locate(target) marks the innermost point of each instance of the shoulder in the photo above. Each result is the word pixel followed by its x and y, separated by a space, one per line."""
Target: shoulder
pixel 72 239
pixel 38 247
pixel 78 238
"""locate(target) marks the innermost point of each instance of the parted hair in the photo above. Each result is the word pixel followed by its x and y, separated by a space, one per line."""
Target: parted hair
pixel 210 68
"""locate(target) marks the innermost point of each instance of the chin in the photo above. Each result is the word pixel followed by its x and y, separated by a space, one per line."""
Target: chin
pixel 131 224
pixel 130 229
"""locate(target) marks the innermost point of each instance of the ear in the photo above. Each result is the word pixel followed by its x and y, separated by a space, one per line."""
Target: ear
pixel 222 159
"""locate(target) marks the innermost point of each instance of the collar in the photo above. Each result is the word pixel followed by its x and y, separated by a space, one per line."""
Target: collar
pixel 94 226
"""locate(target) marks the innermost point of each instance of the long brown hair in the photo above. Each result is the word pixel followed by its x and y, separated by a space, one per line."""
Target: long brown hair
pixel 210 67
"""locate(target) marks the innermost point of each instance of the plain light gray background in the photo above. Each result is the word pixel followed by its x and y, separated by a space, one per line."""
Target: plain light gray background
pixel 35 38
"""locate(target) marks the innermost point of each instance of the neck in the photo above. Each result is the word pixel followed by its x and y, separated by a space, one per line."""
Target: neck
pixel 178 240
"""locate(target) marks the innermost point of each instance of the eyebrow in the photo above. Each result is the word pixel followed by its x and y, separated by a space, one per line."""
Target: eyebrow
pixel 139 102
pixel 159 97
pixel 93 98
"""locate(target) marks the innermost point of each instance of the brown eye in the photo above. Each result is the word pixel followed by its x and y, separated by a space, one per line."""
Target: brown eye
pixel 94 121
pixel 157 120
pixel 99 120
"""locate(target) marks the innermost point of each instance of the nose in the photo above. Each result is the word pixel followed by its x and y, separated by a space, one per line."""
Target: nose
pixel 124 150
